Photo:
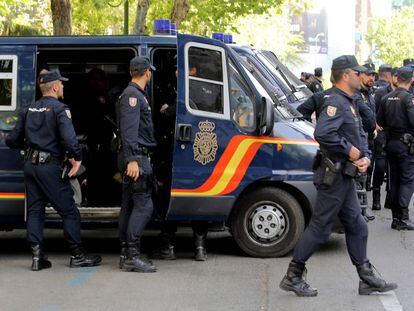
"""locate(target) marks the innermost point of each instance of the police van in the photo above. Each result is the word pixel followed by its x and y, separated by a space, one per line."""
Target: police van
pixel 229 156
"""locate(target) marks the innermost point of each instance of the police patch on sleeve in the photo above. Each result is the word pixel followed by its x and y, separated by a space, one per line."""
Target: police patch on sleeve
pixel 331 111
pixel 68 113
pixel 132 101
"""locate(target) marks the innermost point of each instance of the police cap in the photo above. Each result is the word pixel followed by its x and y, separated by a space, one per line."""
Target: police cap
pixel 408 61
pixel 52 75
pixel 394 71
pixel 318 72
pixel 385 68
pixel 405 72
pixel 370 68
pixel 139 64
pixel 347 62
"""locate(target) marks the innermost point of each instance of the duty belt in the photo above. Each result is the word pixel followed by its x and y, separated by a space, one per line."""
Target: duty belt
pixel 144 151
pixel 40 157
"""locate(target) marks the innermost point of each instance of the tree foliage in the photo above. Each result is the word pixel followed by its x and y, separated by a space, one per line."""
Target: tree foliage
pixel 392 38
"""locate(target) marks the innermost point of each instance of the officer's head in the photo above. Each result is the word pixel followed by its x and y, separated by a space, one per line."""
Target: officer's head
pixel 384 72
pixel 345 72
pixel 140 69
pixel 405 76
pixel 368 77
pixel 318 72
pixel 394 77
pixel 50 83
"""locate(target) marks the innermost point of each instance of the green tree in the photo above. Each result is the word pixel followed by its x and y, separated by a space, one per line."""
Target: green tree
pixel 392 38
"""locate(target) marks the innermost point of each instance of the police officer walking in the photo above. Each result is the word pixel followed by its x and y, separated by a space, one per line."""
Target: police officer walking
pixel 396 116
pixel 46 129
pixel 343 154
pixel 137 138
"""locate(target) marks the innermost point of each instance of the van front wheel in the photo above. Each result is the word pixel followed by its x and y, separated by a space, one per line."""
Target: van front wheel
pixel 267 222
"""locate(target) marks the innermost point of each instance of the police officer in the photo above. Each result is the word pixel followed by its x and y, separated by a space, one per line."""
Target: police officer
pixel 137 137
pixel 409 62
pixel 384 76
pixel 343 153
pixel 396 116
pixel 315 84
pixel 380 157
pixel 45 129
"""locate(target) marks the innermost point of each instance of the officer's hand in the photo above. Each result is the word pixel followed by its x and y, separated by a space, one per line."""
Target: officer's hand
pixel 363 164
pixel 378 128
pixel 132 170
pixel 163 107
pixel 375 134
pixel 75 167
pixel 354 154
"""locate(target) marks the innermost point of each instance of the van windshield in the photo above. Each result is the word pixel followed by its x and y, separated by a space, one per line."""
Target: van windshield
pixel 271 61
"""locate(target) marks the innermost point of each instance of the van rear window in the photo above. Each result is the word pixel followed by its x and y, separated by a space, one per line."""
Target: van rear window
pixel 8 82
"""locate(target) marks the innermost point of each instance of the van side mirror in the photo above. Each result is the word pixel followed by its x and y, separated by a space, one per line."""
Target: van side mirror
pixel 267 117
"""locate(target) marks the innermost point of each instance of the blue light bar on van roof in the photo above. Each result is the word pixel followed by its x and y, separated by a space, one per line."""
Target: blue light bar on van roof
pixel 162 26
pixel 228 39
pixel 173 29
pixel 218 36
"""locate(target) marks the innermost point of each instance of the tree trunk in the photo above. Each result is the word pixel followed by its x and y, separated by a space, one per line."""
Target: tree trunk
pixel 61 16
pixel 140 26
pixel 180 10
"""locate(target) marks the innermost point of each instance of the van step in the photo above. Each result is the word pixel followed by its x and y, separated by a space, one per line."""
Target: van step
pixel 90 212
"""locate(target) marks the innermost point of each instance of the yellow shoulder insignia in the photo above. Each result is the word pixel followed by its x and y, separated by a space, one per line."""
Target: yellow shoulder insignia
pixel 331 111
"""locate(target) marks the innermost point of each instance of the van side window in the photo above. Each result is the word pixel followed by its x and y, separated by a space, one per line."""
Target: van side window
pixel 205 77
pixel 241 100
pixel 8 80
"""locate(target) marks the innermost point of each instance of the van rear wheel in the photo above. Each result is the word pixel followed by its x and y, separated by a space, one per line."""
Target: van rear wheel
pixel 267 222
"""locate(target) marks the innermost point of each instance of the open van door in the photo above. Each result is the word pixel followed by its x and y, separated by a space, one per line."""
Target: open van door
pixel 17 89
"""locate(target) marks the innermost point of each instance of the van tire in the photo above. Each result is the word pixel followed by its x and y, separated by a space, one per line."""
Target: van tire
pixel 264 204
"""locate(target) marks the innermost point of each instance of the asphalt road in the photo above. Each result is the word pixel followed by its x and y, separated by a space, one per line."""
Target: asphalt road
pixel 227 281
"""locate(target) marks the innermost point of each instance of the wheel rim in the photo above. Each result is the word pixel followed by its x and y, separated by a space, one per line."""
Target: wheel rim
pixel 267 223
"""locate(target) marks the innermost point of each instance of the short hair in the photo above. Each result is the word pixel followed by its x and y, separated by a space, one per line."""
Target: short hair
pixel 336 74
pixel 46 88
pixel 138 74
pixel 383 73
pixel 403 80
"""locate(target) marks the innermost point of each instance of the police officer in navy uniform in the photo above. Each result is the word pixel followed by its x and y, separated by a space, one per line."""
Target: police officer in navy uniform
pixel 315 84
pixel 396 116
pixel 384 76
pixel 343 154
pixel 137 136
pixel 45 129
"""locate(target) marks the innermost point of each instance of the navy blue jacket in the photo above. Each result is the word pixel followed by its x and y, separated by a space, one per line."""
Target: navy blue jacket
pixel 379 94
pixel 339 127
pixel 135 122
pixel 396 112
pixel 366 107
pixel 46 126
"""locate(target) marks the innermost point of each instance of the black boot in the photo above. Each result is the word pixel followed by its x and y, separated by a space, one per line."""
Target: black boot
pixel 200 253
pixel 370 283
pixel 39 259
pixel 367 216
pixel 123 255
pixel 395 218
pixel 376 199
pixel 80 258
pixel 368 186
pixel 135 262
pixel 166 250
pixel 404 222
pixel 294 281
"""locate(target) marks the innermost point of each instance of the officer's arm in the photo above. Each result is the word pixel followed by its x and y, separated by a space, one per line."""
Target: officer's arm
pixel 15 139
pixel 367 117
pixel 67 133
pixel 329 122
pixel 409 104
pixel 381 113
pixel 129 115
pixel 308 107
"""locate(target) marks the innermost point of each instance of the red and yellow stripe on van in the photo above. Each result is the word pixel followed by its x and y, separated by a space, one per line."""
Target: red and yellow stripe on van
pixel 233 164
pixel 11 196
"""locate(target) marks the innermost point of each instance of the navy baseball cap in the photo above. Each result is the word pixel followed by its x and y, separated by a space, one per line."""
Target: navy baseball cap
pixel 405 72
pixel 408 61
pixel 370 68
pixel 139 64
pixel 385 68
pixel 347 62
pixel 394 71
pixel 52 75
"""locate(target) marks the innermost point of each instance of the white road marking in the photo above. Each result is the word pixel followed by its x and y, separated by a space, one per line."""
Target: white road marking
pixel 390 301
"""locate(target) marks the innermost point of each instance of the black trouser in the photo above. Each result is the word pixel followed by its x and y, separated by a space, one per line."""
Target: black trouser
pixel 136 207
pixel 380 161
pixel 169 228
pixel 341 200
pixel 44 185
pixel 401 165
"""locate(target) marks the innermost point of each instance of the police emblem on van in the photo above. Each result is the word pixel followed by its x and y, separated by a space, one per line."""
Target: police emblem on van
pixel 205 143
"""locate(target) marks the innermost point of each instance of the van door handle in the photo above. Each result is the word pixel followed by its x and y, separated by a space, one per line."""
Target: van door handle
pixel 184 132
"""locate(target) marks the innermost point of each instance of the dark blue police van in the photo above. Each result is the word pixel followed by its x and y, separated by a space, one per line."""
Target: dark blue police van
pixel 227 154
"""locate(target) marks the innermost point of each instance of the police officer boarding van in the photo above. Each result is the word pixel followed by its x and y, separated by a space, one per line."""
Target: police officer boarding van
pixel 227 155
